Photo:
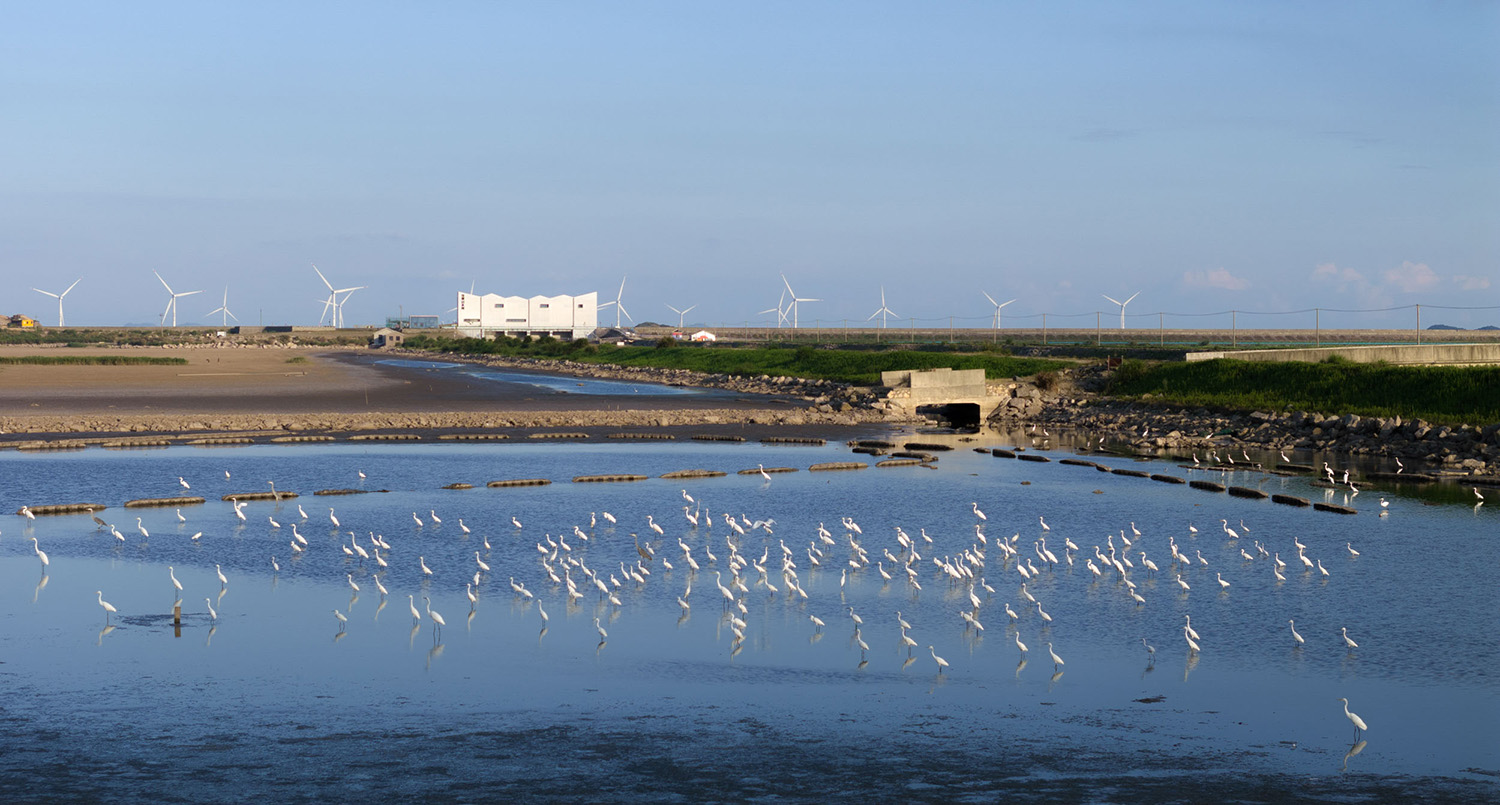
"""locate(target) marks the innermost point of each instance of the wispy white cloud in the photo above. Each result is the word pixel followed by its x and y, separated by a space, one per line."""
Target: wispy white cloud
pixel 1468 283
pixel 1329 272
pixel 1412 277
pixel 1215 278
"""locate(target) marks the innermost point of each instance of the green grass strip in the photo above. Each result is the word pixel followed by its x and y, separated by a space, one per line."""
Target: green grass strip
pixel 1451 394
pixel 860 366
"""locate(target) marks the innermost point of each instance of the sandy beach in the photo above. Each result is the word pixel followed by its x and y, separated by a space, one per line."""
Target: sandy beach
pixel 285 388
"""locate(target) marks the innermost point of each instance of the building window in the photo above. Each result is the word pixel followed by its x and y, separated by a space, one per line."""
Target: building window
pixel 499 304
pixel 544 305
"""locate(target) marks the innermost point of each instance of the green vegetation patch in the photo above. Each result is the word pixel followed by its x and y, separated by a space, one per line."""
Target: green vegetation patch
pixel 845 366
pixel 92 360
pixel 1451 394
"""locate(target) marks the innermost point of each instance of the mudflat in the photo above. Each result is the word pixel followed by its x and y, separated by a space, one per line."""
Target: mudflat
pixel 224 388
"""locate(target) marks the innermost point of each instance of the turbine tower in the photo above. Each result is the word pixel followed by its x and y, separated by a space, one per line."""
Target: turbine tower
pixel 59 298
pixel 1122 305
pixel 882 311
pixel 795 299
pixel 997 305
pixel 619 306
pixel 172 303
pixel 224 308
pixel 681 314
pixel 333 300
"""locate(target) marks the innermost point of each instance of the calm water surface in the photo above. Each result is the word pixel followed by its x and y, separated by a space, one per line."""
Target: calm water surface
pixel 277 699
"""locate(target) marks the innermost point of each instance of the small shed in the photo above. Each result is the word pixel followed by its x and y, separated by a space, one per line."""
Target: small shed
pixel 704 335
pixel 386 337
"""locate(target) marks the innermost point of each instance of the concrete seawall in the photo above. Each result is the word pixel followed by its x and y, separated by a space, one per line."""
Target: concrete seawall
pixel 1412 355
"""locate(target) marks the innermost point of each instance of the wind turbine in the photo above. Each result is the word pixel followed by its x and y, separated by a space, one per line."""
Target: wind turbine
pixel 224 308
pixel 681 314
pixel 1122 305
pixel 59 298
pixel 333 300
pixel 780 310
pixel 619 306
pixel 883 311
pixel 171 303
pixel 997 305
pixel 795 299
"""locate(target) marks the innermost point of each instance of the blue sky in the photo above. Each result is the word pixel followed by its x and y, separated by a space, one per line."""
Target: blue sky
pixel 1213 156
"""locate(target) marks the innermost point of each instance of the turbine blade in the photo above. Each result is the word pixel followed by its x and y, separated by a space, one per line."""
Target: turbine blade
pixel 323 278
pixel 1132 296
pixel 684 312
pixel 997 307
pixel 163 283
pixel 788 286
pixel 1112 299
pixel 70 287
pixel 49 293
pixel 991 298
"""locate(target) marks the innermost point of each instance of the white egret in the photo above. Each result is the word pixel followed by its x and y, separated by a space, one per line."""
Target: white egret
pixel 1188 626
pixel 603 635
pixel 222 580
pixel 1057 661
pixel 432 514
pixel 1223 585
pixel 941 663
pixel 461 526
pixel 436 617
pixel 212 615
pixel 1019 644
pixel 1297 638
pixel 1350 643
pixel 331 518
pixel 977 512
pixel 352 585
pixel 411 602
pixel 108 607
pixel 343 621
pixel 517 523
pixel 480 562
pixel 180 518
pixel 426 571
pixel 817 622
pixel 172 574
pixel 40 554
pixel 1359 723
pixel 184 483
pixel 142 529
pixel 1350 546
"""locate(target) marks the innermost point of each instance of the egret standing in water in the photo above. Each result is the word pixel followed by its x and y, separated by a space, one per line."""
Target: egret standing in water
pixel 941 663
pixel 1359 723
pixel 108 607
pixel 40 554
pixel 436 617
pixel 212 615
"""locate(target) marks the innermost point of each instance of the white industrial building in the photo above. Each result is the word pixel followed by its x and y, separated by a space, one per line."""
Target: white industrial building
pixel 565 317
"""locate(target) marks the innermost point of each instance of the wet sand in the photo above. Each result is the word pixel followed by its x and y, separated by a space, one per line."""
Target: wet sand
pixel 280 388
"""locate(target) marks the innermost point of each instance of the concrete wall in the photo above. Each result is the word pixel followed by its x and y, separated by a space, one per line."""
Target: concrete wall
pixel 1424 355
pixel 940 387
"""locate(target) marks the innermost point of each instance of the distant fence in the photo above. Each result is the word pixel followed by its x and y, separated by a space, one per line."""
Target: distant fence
pixel 1234 328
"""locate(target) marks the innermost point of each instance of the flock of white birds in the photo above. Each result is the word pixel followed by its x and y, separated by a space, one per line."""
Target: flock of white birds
pixel 749 559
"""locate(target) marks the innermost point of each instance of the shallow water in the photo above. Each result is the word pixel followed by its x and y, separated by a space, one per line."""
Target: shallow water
pixel 275 699
pixel 560 384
